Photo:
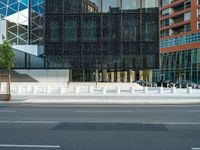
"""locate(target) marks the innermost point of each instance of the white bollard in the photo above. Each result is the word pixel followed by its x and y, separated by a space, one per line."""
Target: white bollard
pixel 90 89
pixel 76 90
pixel 48 89
pixel 104 90
pixel 145 89
pixel 132 90
pixel 161 90
pixel 189 90
pixel 19 90
pixel 173 90
pixel 118 90
pixel 29 89
pixel 34 89
pixel 62 90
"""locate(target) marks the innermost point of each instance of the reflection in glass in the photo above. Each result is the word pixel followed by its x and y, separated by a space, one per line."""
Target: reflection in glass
pixel 54 30
pixel 111 5
pixel 70 29
pixel 131 5
pixel 150 5
pixel 92 6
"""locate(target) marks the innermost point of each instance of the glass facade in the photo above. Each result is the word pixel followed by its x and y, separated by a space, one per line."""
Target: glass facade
pixel 36 22
pixel 15 13
pixel 24 20
pixel 186 39
pixel 102 34
pixel 84 34
pixel 188 61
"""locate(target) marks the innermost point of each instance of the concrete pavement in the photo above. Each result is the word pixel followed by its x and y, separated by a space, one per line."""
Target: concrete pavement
pixel 136 99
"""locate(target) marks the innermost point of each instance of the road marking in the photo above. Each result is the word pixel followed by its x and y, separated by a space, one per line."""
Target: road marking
pixel 103 111
pixel 29 146
pixel 29 122
pixel 195 148
pixel 7 111
pixel 194 111
pixel 174 123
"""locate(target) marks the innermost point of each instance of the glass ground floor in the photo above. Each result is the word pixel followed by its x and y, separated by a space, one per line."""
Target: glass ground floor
pixel 105 75
pixel 181 65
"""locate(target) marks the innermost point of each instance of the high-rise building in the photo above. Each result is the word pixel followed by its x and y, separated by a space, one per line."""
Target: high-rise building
pixel 180 40
pixel 113 37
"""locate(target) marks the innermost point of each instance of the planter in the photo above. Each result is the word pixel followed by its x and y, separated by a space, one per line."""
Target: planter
pixel 5 97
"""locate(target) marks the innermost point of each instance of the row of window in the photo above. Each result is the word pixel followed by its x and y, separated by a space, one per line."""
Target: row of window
pixel 105 28
pixel 187 39
pixel 187 3
pixel 187 60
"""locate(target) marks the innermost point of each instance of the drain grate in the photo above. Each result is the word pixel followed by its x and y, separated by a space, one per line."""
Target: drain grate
pixel 111 126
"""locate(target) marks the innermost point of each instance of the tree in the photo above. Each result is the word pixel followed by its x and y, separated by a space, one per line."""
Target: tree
pixel 146 74
pixel 6 56
pixel 6 64
pixel 179 73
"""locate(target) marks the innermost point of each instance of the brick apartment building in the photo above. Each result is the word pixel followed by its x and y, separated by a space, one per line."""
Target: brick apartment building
pixel 179 40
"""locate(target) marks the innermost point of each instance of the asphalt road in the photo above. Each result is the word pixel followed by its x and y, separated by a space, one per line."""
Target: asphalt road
pixel 86 127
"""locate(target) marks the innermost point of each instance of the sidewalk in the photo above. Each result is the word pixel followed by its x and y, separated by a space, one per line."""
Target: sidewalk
pixel 136 99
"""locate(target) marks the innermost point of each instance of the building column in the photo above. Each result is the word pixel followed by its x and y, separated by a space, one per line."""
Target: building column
pixel 130 76
pixel 150 75
pixel 105 75
pixel 112 76
pixel 133 76
pixel 141 75
pixel 96 75
pixel 125 76
pixel 118 76
pixel 100 77
pixel 70 75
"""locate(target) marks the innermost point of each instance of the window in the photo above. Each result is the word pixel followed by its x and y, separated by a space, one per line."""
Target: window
pixel 187 27
pixel 165 23
pixel 187 4
pixel 165 12
pixel 165 2
pixel 130 5
pixel 150 5
pixel 198 12
pixel 187 16
pixel 54 30
pixel 198 24
pixel 70 29
pixel 111 5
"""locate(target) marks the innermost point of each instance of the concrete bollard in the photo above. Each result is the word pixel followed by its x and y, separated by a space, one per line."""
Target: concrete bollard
pixel 118 90
pixel 189 90
pixel 48 89
pixel 90 89
pixel 62 90
pixel 19 90
pixel 173 89
pixel 160 90
pixel 104 90
pixel 34 89
pixel 145 89
pixel 76 90
pixel 29 89
pixel 132 90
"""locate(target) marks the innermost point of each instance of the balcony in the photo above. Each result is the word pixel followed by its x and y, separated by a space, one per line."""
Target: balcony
pixel 174 3
pixel 175 24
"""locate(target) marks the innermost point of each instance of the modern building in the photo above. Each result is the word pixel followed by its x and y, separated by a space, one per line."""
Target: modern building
pixel 180 40
pixel 108 40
